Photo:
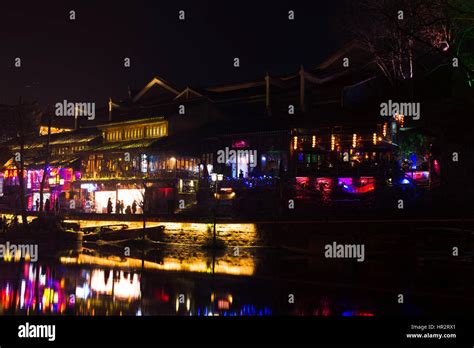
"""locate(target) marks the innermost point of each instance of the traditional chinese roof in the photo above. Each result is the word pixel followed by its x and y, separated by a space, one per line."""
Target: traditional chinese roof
pixel 81 136
pixel 157 88
pixel 55 161
pixel 123 145
pixel 131 122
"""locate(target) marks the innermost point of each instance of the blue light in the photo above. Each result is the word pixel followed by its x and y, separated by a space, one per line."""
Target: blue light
pixel 412 158
pixel 404 181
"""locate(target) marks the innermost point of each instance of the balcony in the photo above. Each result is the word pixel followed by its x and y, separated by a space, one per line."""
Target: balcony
pixel 133 174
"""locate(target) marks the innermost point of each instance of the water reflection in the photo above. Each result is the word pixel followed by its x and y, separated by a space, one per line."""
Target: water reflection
pixel 196 263
pixel 32 289
pixel 253 276
pixel 104 291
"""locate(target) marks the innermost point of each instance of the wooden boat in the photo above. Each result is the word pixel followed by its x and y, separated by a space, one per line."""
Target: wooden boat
pixel 111 233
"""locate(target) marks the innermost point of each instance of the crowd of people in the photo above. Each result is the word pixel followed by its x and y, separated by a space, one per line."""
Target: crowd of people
pixel 47 206
pixel 119 207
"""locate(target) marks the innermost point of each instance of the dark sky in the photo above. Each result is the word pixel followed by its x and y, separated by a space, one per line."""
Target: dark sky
pixel 82 60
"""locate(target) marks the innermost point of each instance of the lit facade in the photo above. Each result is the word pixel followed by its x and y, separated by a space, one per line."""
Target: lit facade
pixel 128 167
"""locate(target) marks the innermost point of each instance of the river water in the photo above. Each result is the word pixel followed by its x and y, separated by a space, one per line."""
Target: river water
pixel 266 269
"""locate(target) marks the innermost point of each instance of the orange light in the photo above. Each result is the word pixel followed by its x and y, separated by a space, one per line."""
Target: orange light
pixel 313 143
pixel 374 138
pixel 295 142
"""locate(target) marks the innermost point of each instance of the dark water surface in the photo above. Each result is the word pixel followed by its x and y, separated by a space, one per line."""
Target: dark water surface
pixel 273 269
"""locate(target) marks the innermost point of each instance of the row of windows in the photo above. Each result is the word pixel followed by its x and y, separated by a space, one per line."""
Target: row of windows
pixel 208 158
pixel 186 164
pixel 137 133
pixel 78 148
pixel 156 131
pixel 66 150
pixel 114 136
pixel 96 164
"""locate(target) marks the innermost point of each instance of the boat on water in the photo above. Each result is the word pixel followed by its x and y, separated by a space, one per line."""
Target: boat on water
pixel 49 229
pixel 121 232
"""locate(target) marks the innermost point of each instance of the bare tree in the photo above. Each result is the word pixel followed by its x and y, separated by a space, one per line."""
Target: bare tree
pixel 25 122
pixel 46 156
pixel 397 32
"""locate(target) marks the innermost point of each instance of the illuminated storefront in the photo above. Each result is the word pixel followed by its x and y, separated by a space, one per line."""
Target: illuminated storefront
pixel 101 199
pixel 129 196
pixel 57 185
pixel 94 198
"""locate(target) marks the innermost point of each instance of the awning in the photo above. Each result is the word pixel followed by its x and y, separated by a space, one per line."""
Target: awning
pixel 33 163
pixel 124 145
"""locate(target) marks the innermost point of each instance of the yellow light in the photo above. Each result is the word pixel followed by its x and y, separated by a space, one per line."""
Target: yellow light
pixel 384 131
pixel 313 143
pixel 333 142
pixel 295 142
pixel 354 140
pixel 241 266
pixel 374 138
pixel 127 287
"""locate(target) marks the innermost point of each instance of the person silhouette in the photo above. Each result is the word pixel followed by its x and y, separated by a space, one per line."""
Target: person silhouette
pixel 47 205
pixel 109 206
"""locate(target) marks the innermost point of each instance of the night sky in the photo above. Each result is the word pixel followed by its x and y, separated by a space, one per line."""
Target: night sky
pixel 82 60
